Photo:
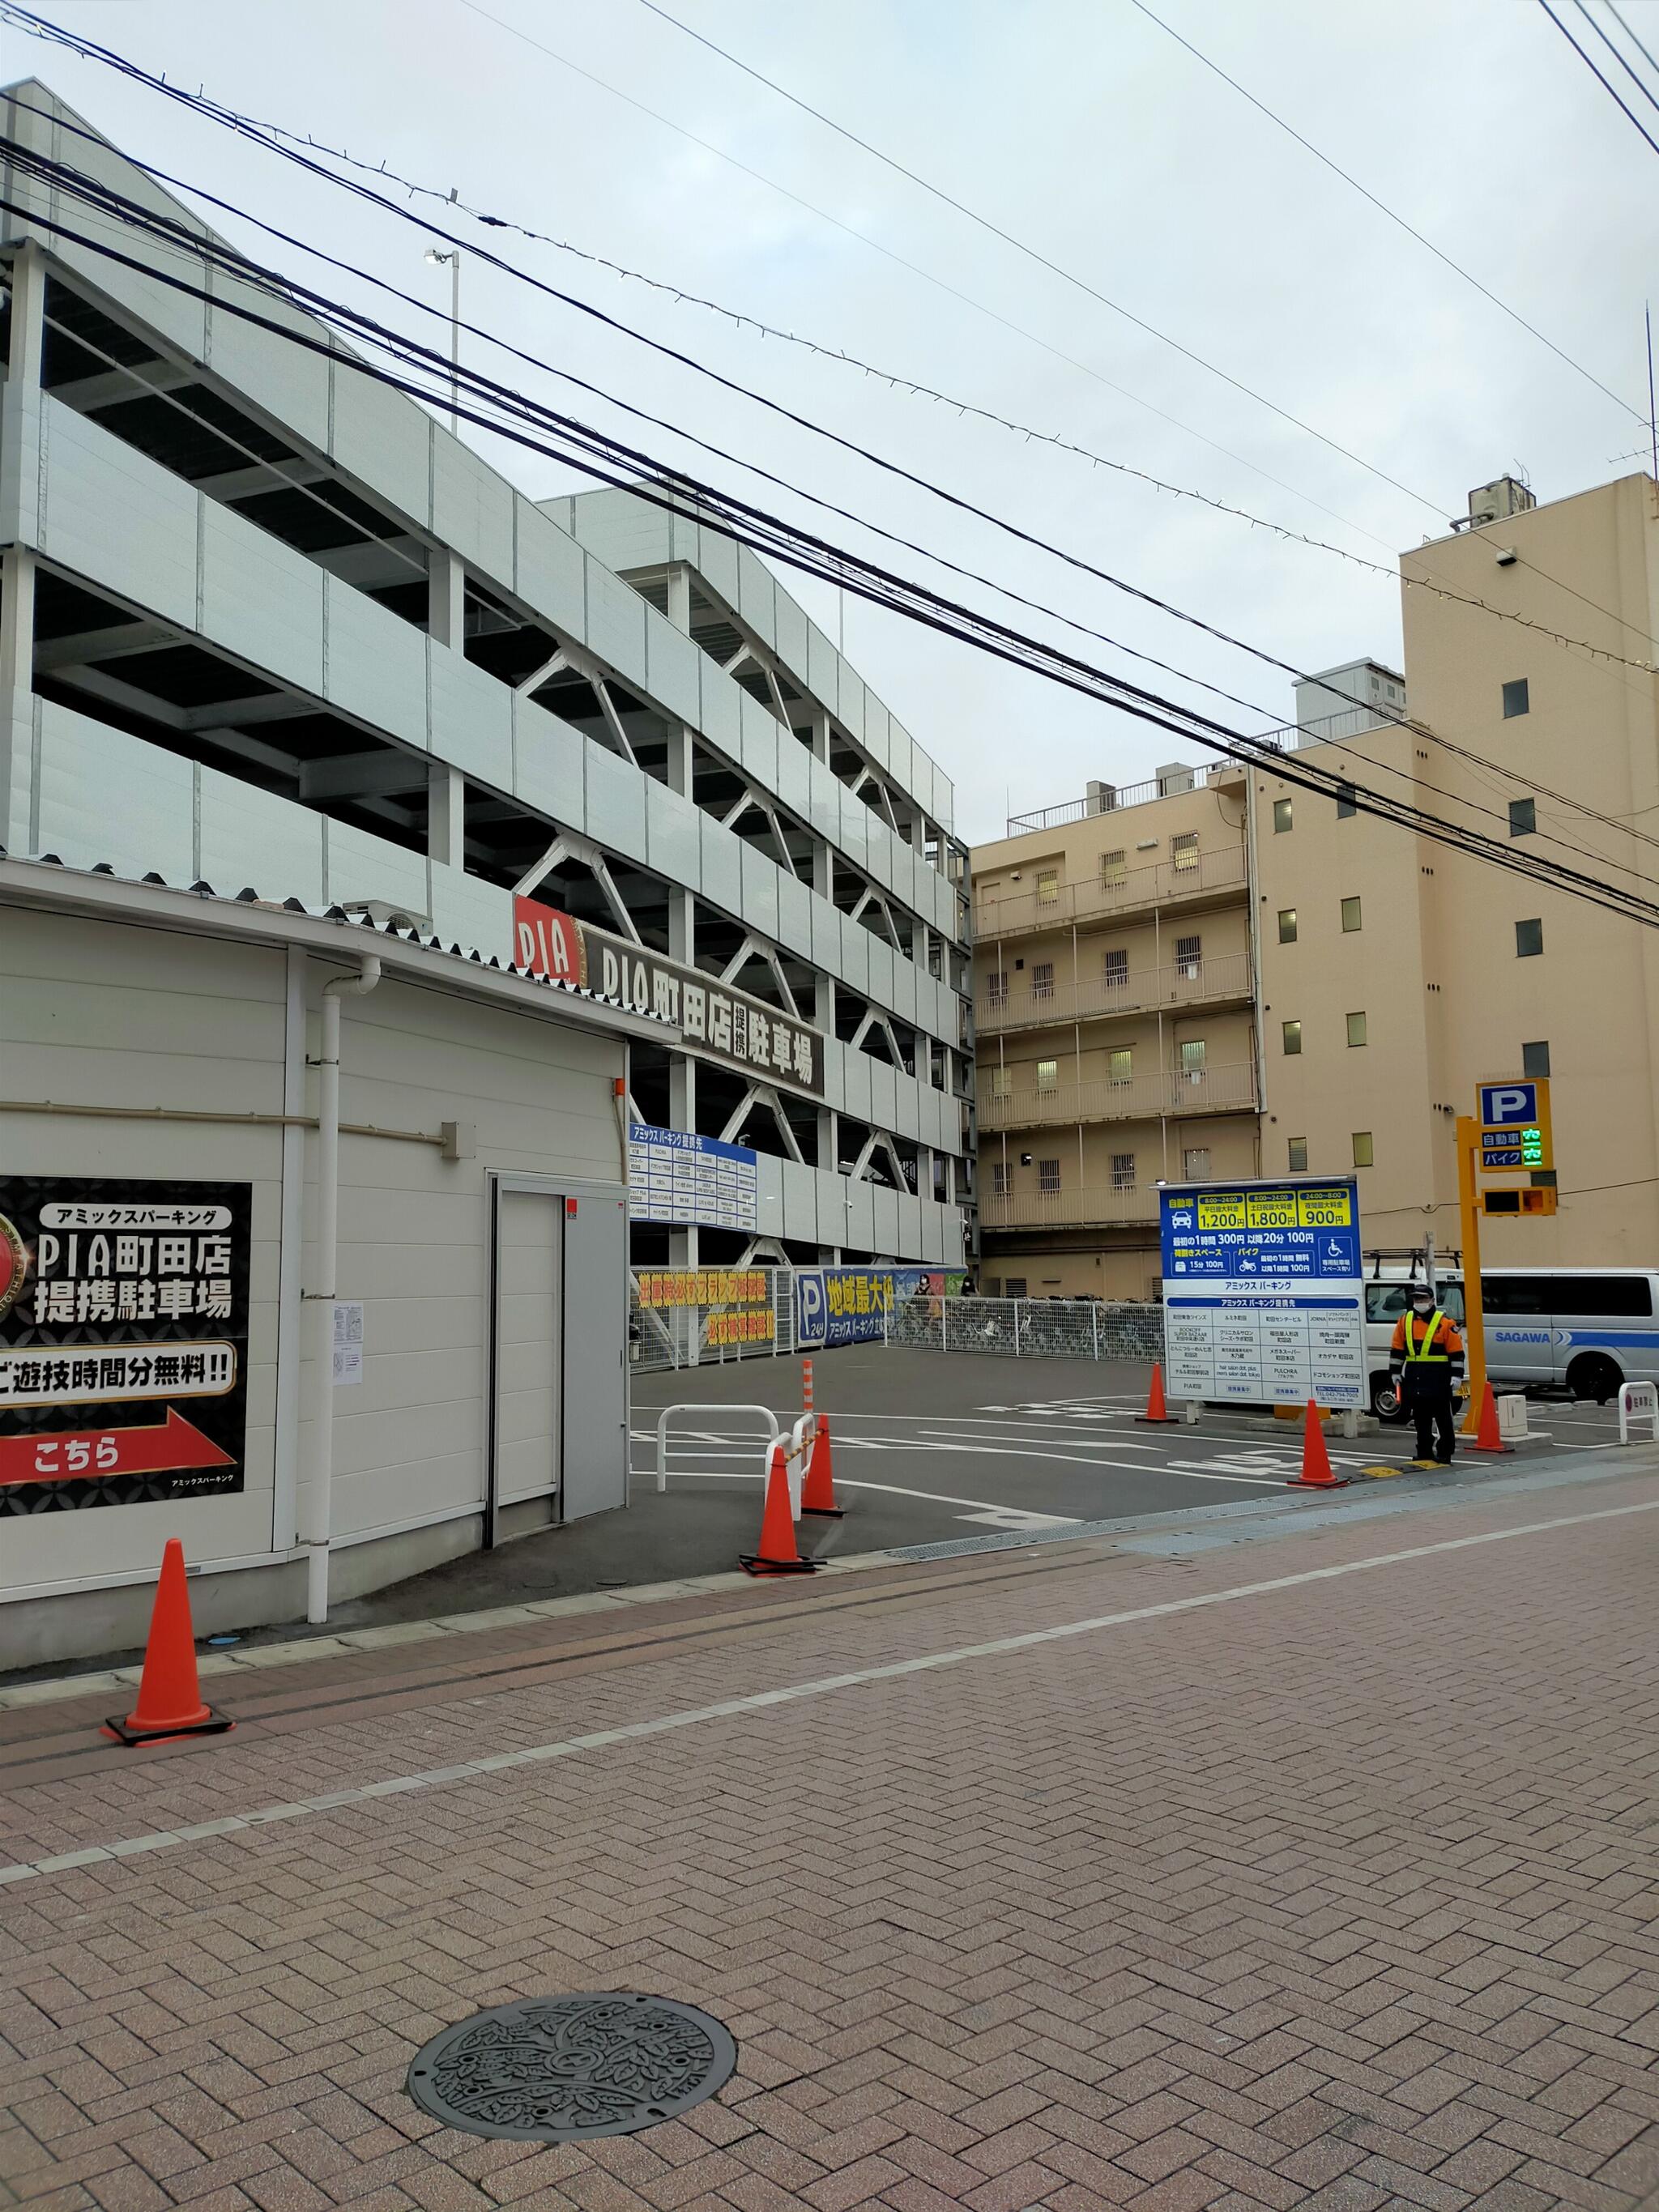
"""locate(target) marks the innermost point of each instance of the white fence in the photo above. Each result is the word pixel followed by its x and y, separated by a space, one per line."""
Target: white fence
pixel 694 1317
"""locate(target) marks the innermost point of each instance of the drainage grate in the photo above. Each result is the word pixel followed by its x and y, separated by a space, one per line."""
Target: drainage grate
pixel 560 2070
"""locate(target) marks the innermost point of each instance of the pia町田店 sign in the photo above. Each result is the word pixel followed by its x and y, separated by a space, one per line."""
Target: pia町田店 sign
pixel 716 1021
pixel 124 1318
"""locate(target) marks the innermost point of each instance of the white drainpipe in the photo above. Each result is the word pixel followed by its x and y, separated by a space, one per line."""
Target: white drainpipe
pixel 317 1499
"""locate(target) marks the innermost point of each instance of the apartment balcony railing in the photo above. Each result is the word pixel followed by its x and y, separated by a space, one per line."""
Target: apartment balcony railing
pixel 1137 1098
pixel 1199 982
pixel 1113 798
pixel 1091 1208
pixel 1059 906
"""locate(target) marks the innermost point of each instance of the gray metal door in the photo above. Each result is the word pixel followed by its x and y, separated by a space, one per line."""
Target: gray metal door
pixel 595 1455
pixel 529 1344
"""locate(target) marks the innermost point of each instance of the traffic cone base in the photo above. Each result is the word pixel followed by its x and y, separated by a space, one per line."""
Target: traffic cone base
pixel 170 1702
pixel 1488 1436
pixel 1156 1409
pixel 212 1722
pixel 1317 1473
pixel 817 1493
pixel 777 1554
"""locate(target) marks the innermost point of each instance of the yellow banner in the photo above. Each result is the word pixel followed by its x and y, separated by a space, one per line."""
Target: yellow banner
pixel 704 1287
pixel 1324 1209
pixel 1229 1211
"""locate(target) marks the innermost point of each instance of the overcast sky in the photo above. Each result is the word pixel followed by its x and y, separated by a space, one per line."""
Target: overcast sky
pixel 1087 131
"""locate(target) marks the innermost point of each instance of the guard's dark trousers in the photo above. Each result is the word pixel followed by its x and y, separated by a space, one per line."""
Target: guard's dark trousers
pixel 1429 1401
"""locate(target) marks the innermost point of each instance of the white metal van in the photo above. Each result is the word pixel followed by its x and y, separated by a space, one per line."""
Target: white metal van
pixel 1583 1330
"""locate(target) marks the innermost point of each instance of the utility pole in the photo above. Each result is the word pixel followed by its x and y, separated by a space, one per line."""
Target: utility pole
pixel 438 258
pixel 1474 1317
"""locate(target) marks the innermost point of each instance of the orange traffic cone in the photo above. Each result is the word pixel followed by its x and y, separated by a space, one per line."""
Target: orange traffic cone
pixel 777 1554
pixel 1487 1436
pixel 817 1493
pixel 169 1695
pixel 1156 1409
pixel 1317 1473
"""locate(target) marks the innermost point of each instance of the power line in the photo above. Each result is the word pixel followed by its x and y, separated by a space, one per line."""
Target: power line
pixel 108 200
pixel 788 414
pixel 251 128
pixel 1382 206
pixel 1623 62
pixel 1644 52
pixel 40 27
pixel 609 461
pixel 1589 64
pixel 1035 253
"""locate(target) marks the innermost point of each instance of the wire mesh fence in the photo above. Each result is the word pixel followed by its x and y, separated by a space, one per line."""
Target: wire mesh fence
pixel 691 1316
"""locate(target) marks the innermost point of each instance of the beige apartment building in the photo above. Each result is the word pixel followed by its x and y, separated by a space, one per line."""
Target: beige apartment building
pixel 1217 973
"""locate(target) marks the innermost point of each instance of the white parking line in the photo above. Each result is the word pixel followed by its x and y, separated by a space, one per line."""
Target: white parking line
pixel 732 1708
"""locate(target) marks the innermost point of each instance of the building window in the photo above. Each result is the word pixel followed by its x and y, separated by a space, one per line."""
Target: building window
pixel 1049 1177
pixel 996 987
pixel 1048 886
pixel 1529 939
pixel 1516 699
pixel 1117 968
pixel 1183 850
pixel 1297 1151
pixel 1043 979
pixel 1113 866
pixel 1195 1164
pixel 1002 1082
pixel 1123 1170
pixel 1350 914
pixel 1346 803
pixel 1189 953
pixel 1523 816
pixel 1192 1058
pixel 1002 1178
pixel 1120 1064
pixel 1287 925
pixel 1356 1028
pixel 1048 1075
pixel 1362 1149
pixel 1291 1033
pixel 1284 815
pixel 1535 1059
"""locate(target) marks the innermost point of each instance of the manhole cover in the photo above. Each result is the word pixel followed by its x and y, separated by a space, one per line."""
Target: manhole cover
pixel 559 2069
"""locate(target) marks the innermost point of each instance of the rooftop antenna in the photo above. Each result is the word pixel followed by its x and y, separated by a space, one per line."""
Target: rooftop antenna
pixel 1653 417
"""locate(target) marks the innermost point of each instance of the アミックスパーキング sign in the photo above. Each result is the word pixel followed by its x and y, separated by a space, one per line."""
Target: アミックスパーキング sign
pixel 123 1316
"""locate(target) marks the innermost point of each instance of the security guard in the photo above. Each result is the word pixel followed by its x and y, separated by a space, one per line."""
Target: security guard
pixel 1427 1361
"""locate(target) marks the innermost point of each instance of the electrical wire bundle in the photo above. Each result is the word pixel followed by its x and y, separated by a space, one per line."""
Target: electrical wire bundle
pixel 423 372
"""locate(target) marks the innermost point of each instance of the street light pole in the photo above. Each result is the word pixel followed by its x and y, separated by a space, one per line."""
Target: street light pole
pixel 453 257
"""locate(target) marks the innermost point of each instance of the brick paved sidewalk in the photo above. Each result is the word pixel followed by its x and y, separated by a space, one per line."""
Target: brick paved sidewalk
pixel 1343 1892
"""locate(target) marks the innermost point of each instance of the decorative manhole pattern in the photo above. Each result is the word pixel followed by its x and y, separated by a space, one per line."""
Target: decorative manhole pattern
pixel 559 2069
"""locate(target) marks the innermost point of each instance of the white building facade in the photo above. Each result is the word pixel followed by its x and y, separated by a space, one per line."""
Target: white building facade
pixel 267 626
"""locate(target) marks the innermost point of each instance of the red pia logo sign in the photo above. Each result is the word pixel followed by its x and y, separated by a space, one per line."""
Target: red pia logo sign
pixel 546 943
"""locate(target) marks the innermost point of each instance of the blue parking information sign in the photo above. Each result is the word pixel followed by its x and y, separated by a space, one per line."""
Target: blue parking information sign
pixel 1264 1294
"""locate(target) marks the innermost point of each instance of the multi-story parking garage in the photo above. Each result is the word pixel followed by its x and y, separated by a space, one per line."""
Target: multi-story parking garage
pixel 268 625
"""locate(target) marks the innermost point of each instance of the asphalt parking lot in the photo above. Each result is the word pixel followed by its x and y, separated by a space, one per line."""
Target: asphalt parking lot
pixel 930 1448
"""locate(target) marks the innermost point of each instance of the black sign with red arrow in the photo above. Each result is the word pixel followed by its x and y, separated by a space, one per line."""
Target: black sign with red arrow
pixel 123 1320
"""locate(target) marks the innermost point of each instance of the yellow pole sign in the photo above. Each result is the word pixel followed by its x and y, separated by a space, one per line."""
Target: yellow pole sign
pixel 1474 1315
